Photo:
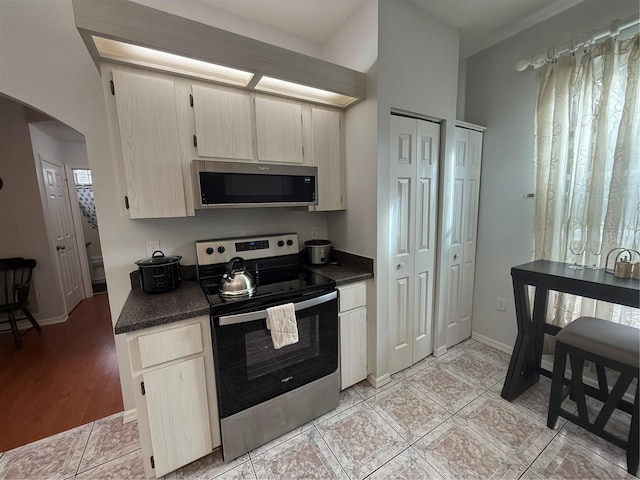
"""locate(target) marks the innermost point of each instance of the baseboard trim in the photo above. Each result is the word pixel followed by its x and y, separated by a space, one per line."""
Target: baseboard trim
pixel 492 343
pixel 130 415
pixel 25 324
pixel 377 382
pixel 438 352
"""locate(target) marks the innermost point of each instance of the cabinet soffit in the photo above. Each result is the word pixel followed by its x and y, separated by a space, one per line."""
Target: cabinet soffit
pixel 120 31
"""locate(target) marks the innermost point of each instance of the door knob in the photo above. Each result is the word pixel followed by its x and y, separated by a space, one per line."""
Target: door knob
pixel 400 265
pixel 455 256
pixel 60 247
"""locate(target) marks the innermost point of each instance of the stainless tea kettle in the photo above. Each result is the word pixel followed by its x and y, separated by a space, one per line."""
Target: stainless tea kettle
pixel 236 282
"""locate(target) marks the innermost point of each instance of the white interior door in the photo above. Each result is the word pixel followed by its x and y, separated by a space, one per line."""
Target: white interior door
pixel 62 233
pixel 464 222
pixel 413 173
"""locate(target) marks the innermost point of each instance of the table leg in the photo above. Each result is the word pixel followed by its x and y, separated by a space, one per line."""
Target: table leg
pixel 522 372
pixel 539 320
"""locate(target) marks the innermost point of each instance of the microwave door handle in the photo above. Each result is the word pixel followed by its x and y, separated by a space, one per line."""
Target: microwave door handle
pixel 260 314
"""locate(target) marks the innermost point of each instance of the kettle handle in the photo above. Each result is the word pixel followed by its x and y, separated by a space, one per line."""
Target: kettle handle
pixel 231 263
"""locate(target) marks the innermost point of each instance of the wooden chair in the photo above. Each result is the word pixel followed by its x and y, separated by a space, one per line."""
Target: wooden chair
pixel 15 282
pixel 609 345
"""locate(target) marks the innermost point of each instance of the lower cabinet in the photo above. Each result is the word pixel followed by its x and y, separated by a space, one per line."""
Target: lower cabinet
pixel 352 316
pixel 172 369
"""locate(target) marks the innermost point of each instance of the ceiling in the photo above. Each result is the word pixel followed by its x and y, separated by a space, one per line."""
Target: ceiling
pixel 315 20
pixel 482 23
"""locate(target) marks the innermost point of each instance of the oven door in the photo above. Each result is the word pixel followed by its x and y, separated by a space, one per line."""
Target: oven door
pixel 249 370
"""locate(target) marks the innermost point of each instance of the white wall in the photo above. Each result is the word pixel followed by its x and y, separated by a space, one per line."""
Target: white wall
pixel 355 45
pixel 417 72
pixel 75 154
pixel 503 100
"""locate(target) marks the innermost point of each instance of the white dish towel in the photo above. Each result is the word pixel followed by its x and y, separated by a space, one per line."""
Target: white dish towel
pixel 281 320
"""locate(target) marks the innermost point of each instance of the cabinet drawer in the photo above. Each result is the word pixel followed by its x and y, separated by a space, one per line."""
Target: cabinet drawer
pixel 168 345
pixel 352 296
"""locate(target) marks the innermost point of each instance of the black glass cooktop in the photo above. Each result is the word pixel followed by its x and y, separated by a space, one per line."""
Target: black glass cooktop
pixel 274 286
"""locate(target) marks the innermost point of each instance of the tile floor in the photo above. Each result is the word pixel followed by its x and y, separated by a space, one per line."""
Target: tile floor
pixel 441 418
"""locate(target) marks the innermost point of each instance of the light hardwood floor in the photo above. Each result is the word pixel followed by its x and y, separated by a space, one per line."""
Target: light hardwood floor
pixel 63 377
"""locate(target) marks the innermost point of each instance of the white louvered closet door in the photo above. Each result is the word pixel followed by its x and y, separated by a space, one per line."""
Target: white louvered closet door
pixel 414 151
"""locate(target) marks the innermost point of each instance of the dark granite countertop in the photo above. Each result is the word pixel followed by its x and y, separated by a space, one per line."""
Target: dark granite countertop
pixel 144 310
pixel 345 268
pixel 341 273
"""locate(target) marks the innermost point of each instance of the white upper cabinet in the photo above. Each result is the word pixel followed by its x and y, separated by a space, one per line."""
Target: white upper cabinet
pixel 223 123
pixel 327 156
pixel 279 131
pixel 148 126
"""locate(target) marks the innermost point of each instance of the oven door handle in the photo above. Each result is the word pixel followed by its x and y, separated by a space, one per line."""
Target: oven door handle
pixel 259 315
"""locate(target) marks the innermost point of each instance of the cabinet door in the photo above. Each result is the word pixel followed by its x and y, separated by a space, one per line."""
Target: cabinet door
pixel 150 145
pixel 327 156
pixel 353 347
pixel 279 131
pixel 223 123
pixel 176 399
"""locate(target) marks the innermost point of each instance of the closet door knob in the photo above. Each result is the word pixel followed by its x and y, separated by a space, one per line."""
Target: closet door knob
pixel 400 265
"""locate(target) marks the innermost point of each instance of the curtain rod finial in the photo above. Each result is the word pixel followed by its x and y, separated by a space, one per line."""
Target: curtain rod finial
pixel 523 64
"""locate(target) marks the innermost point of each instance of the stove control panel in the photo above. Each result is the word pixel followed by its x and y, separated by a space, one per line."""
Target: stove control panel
pixel 211 252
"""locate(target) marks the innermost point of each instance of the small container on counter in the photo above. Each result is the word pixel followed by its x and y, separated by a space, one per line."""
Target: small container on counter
pixel 159 273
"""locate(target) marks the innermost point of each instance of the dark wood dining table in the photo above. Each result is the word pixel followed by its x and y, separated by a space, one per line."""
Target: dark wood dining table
pixel 525 366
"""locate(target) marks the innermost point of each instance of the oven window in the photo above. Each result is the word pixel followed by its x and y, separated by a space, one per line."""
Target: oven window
pixel 263 359
pixel 249 370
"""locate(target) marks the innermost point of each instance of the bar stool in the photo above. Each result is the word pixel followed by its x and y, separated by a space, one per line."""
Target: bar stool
pixel 609 345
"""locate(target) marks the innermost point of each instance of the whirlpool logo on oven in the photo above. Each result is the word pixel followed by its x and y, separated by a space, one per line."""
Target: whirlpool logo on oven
pixel 286 379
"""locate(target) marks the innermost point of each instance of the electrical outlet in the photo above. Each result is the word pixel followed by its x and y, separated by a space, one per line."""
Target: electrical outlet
pixel 501 304
pixel 152 246
pixel 314 232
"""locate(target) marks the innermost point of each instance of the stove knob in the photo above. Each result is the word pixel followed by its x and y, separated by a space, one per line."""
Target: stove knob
pixel 209 250
pixel 220 249
pixel 289 242
pixel 280 243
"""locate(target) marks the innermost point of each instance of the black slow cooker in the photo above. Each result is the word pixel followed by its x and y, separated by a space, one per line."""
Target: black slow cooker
pixel 159 273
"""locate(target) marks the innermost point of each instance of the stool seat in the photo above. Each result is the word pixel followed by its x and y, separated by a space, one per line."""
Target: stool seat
pixel 614 341
pixel 609 346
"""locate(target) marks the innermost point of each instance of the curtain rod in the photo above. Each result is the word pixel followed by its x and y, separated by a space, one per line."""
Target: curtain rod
pixel 587 40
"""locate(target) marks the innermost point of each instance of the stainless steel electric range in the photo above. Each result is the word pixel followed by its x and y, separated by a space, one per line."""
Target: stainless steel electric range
pixel 265 392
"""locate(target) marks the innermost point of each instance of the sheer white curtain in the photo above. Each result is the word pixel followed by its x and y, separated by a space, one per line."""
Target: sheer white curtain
pixel 588 166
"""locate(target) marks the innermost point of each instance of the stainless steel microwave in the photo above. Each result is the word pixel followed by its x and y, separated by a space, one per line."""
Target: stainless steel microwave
pixel 237 184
